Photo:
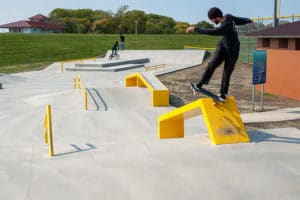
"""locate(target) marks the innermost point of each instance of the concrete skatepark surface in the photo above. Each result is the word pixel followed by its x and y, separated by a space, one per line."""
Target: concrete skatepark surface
pixel 173 59
pixel 111 151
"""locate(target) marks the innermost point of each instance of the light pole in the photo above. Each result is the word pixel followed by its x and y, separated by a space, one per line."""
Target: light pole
pixel 136 26
pixel 276 13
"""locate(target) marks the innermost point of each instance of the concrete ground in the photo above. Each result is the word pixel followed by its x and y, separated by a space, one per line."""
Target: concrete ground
pixel 111 151
pixel 173 60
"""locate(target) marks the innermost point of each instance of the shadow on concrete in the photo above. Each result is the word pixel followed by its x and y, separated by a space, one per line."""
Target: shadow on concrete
pixel 176 101
pixel 296 112
pixel 261 136
pixel 77 149
pixel 97 99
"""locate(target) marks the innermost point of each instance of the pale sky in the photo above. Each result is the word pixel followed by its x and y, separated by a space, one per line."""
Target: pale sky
pixel 191 11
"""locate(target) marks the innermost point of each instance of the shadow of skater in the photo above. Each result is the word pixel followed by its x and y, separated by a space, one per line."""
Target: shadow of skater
pixel 78 149
pixel 261 136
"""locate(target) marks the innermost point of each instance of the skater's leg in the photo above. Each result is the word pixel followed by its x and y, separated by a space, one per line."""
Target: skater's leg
pixel 218 58
pixel 229 65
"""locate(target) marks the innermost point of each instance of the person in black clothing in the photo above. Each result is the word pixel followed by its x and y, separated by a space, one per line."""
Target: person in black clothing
pixel 114 48
pixel 122 40
pixel 227 48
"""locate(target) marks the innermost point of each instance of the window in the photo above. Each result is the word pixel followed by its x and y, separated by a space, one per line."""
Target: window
pixel 298 44
pixel 283 43
pixel 266 42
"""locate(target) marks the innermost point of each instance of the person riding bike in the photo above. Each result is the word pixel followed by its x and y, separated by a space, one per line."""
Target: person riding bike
pixel 114 49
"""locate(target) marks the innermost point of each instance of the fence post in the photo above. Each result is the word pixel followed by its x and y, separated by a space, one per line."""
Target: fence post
pixel 78 83
pixel 62 66
pixel 85 101
pixel 49 131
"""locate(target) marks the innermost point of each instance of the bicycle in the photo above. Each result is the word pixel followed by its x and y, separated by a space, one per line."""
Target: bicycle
pixel 114 56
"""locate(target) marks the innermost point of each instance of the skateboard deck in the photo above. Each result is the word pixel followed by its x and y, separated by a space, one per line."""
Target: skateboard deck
pixel 205 92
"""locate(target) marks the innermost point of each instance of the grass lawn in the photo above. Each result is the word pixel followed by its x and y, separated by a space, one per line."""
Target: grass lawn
pixel 24 52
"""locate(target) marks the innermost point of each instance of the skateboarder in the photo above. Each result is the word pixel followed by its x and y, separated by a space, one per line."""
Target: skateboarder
pixel 227 48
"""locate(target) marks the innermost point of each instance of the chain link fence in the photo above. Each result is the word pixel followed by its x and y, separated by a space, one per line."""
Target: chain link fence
pixel 249 44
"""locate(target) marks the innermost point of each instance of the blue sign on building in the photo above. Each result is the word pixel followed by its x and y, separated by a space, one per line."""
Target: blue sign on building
pixel 259 67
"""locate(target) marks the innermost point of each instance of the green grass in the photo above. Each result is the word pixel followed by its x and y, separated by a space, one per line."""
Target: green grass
pixel 28 52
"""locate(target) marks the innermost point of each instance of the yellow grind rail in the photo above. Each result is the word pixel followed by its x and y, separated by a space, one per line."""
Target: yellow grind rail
pixel 78 82
pixel 223 121
pixel 48 139
pixel 160 97
pixel 155 67
pixel 76 60
pixel 198 47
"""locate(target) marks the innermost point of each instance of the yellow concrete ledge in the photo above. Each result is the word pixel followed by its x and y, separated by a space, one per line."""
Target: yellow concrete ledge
pixel 223 121
pixel 160 94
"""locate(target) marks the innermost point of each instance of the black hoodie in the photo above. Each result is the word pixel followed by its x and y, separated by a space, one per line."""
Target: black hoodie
pixel 230 40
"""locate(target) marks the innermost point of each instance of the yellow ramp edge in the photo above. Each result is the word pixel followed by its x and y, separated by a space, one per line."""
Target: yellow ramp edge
pixel 223 121
pixel 171 124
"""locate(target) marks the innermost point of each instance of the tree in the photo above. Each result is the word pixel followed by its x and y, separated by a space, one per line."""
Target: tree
pixel 130 19
pixel 119 18
pixel 204 24
pixel 105 25
pixel 181 27
pixel 158 24
pixel 74 21
pixel 123 21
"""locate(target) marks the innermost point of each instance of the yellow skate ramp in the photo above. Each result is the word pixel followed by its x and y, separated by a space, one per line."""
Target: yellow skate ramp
pixel 223 121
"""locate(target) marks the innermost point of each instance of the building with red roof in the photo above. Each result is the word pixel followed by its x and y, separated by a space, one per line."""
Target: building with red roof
pixel 36 24
pixel 283 51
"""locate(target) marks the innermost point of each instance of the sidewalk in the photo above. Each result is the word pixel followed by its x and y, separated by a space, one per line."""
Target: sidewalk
pixel 272 116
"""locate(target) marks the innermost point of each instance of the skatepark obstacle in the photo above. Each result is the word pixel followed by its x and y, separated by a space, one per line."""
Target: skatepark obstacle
pixel 155 67
pixel 77 60
pixel 160 94
pixel 222 120
pixel 48 139
pixel 78 81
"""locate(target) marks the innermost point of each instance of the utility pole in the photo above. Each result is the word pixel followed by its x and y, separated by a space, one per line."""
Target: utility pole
pixel 276 13
pixel 136 26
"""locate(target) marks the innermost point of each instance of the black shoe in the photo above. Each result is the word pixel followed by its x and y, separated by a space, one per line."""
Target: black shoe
pixel 196 87
pixel 222 97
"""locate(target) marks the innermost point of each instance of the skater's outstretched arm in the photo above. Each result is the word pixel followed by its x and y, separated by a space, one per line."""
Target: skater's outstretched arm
pixel 227 27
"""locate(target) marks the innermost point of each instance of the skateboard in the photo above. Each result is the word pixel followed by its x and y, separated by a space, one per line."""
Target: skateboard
pixel 206 92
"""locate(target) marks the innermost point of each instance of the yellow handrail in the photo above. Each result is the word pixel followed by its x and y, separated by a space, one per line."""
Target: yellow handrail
pixel 281 17
pixel 76 60
pixel 155 67
pixel 48 139
pixel 78 81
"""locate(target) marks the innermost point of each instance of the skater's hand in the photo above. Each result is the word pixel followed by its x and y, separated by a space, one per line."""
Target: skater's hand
pixel 190 29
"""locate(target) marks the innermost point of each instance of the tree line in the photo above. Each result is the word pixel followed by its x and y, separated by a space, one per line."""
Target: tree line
pixel 123 21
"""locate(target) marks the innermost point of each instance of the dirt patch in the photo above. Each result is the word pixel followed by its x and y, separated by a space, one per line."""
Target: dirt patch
pixel 270 125
pixel 240 87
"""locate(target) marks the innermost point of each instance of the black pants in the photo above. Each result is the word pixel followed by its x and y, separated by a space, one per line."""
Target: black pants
pixel 113 51
pixel 220 55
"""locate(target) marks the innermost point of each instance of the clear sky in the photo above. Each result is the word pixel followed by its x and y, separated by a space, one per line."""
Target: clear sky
pixel 191 11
